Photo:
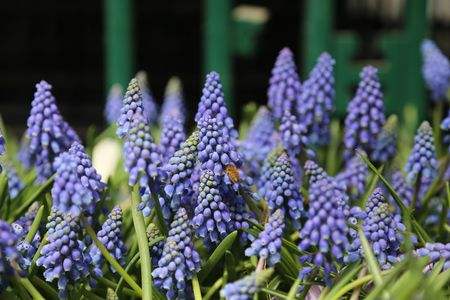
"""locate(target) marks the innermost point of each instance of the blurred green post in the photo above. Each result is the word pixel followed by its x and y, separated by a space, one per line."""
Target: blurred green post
pixel 119 42
pixel 317 31
pixel 217 45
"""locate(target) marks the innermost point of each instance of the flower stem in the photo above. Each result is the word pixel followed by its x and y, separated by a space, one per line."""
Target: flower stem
pixel 144 251
pixel 114 263
pixel 35 225
pixel 196 288
pixel 30 288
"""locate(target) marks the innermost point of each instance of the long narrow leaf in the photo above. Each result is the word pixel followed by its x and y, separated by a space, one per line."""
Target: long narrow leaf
pixel 372 262
pixel 217 255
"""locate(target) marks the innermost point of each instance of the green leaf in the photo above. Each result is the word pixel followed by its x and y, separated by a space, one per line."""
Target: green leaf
pixel 272 292
pixel 144 251
pixel 372 185
pixel 423 236
pixel 161 223
pixel 372 262
pixel 196 288
pixel 348 275
pixel 217 255
pixel 48 289
pixel 213 289
pixel 35 225
pixel 38 194
pixel 114 263
pixel 293 290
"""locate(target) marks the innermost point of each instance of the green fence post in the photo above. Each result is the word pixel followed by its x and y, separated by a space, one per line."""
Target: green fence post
pixel 317 31
pixel 119 42
pixel 217 45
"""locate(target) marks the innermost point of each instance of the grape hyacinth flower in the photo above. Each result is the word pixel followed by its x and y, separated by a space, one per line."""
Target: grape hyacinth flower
pixel 211 214
pixel 326 228
pixel 157 249
pixel 24 154
pixel 316 101
pixel 173 100
pixel 422 165
pixel 212 105
pixel 9 256
pixel 354 177
pixel 264 183
pixel 179 260
pixel 111 237
pixel 293 134
pixel 403 189
pixel 315 172
pixel 268 243
pixel 445 126
pixel 284 191
pixel 216 149
pixel 68 192
pixel 258 143
pixel 180 167
pixel 49 134
pixel 132 108
pixel 87 174
pixel 435 70
pixel 113 104
pixel 172 134
pixel 383 231
pixel 246 287
pixel 148 102
pixel 142 157
pixel 64 256
pixel 386 145
pixel 15 184
pixel 365 115
pixel 284 85
pixel 436 252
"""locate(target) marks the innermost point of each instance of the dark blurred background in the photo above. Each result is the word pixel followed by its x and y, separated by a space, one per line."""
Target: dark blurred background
pixel 66 43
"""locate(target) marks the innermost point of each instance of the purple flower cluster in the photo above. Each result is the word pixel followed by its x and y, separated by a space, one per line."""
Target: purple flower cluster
pixel 111 237
pixel 422 165
pixel 316 101
pixel 435 70
pixel 142 157
pixel 284 191
pixel 157 249
pixel 383 231
pixel 403 189
pixel 386 145
pixel 64 257
pixel 284 85
pixel 132 108
pixel 173 100
pixel 211 215
pixel 179 260
pixel 326 228
pixel 49 134
pixel 68 192
pixel 87 174
pixel 436 252
pixel 365 115
pixel 9 256
pixel 148 102
pixel 216 149
pixel 314 172
pixel 258 143
pixel 445 126
pixel 293 134
pixel 268 243
pixel 264 183
pixel 24 154
pixel 113 104
pixel 180 167
pixel 246 287
pixel 15 184
pixel 172 134
pixel 354 177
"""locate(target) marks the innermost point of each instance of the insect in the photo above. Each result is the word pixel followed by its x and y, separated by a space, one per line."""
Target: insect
pixel 233 173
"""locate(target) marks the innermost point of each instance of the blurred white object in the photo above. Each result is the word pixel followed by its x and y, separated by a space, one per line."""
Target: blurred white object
pixel 106 156
pixel 314 292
